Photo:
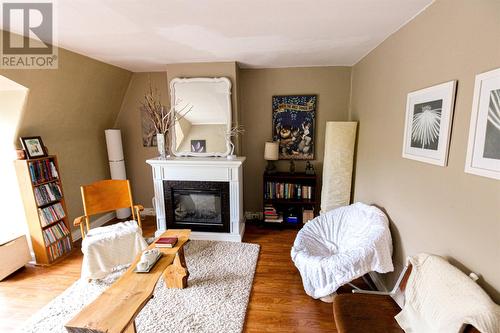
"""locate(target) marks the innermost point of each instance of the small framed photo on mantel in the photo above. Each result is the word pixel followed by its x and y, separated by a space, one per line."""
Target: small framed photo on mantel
pixel 483 151
pixel 429 114
pixel 33 146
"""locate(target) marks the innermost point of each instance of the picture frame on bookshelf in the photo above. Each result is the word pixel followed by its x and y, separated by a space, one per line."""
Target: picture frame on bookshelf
pixel 33 146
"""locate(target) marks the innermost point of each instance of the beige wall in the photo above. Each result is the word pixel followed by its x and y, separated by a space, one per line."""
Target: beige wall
pixel 434 209
pixel 331 84
pixel 129 121
pixel 70 108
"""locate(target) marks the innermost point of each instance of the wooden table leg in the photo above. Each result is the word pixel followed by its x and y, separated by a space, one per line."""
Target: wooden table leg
pixel 176 275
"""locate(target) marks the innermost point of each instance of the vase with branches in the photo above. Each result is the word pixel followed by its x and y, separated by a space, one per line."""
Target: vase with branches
pixel 233 132
pixel 162 118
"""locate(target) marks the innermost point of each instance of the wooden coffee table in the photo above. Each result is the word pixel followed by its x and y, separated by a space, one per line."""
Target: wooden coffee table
pixel 114 311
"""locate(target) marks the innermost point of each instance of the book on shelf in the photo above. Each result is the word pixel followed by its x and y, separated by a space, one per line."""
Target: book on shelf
pixel 271 215
pixel 307 215
pixel 47 193
pixel 55 233
pixel 277 190
pixel 277 219
pixel 167 242
pixel 51 214
pixel 43 200
pixel 59 248
pixel 42 171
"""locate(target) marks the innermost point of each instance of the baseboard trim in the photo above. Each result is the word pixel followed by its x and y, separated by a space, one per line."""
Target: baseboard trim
pixel 377 281
pixel 94 224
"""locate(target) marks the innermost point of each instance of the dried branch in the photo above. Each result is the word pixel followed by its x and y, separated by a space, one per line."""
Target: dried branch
pixel 155 111
pixel 234 132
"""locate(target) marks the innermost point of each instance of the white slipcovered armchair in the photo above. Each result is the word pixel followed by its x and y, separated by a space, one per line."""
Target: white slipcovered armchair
pixel 340 246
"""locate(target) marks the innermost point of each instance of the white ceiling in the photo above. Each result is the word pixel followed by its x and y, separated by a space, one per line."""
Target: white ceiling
pixel 146 35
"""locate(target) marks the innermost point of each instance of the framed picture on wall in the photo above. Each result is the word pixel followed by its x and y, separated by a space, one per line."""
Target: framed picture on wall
pixel 429 114
pixel 483 151
pixel 293 126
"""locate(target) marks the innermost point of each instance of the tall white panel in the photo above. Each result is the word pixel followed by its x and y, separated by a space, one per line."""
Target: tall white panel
pixel 337 165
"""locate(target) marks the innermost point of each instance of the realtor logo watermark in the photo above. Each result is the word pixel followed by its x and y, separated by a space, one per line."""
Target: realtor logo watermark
pixel 28 35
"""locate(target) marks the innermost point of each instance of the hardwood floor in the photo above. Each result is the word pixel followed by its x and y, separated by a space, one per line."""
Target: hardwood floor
pixel 277 302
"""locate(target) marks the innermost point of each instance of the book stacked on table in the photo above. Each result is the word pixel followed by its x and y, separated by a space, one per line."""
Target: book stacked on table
pixel 271 215
pixel 167 242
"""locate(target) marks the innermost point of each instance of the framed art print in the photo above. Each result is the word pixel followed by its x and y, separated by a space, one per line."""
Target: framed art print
pixel 199 146
pixel 429 114
pixel 483 150
pixel 293 126
pixel 33 146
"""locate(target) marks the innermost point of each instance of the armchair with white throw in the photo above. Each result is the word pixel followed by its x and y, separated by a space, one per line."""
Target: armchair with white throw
pixel 108 247
pixel 340 246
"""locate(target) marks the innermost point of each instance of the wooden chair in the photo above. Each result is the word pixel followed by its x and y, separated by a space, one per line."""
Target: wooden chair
pixel 105 196
pixel 125 240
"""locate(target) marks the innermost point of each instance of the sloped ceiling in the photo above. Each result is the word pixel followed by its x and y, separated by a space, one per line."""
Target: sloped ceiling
pixel 146 35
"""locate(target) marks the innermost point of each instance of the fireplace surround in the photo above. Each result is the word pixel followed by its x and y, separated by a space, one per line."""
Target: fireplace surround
pixel 202 194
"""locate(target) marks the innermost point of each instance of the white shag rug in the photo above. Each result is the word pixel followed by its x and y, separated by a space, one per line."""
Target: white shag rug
pixel 219 285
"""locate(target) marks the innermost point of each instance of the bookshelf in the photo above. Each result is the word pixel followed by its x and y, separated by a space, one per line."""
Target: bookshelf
pixel 45 208
pixel 287 196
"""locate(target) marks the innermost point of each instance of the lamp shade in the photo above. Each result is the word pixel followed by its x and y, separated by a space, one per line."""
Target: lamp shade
pixel 271 151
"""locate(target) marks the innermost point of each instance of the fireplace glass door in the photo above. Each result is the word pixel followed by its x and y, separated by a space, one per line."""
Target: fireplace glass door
pixel 199 206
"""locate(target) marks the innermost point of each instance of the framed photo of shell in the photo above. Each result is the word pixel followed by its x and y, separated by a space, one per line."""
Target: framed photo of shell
pixel 294 126
pixel 483 151
pixel 429 114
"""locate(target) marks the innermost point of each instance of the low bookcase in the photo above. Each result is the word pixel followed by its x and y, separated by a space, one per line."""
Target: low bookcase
pixel 43 198
pixel 289 197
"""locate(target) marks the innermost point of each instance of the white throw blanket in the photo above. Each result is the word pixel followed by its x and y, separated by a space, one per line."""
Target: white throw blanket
pixel 340 246
pixel 439 298
pixel 106 248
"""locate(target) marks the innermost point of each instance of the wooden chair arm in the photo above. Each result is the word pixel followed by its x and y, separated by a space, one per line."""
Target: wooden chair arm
pixel 79 220
pixel 139 208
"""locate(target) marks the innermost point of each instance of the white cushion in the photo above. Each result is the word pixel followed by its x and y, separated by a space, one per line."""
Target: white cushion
pixel 106 248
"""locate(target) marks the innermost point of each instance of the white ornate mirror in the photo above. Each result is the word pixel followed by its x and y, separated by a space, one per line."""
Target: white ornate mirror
pixel 201 131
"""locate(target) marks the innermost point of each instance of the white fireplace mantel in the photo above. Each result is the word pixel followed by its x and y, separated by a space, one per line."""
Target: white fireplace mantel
pixel 218 169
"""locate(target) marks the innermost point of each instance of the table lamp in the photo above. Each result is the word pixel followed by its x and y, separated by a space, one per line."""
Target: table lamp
pixel 271 154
